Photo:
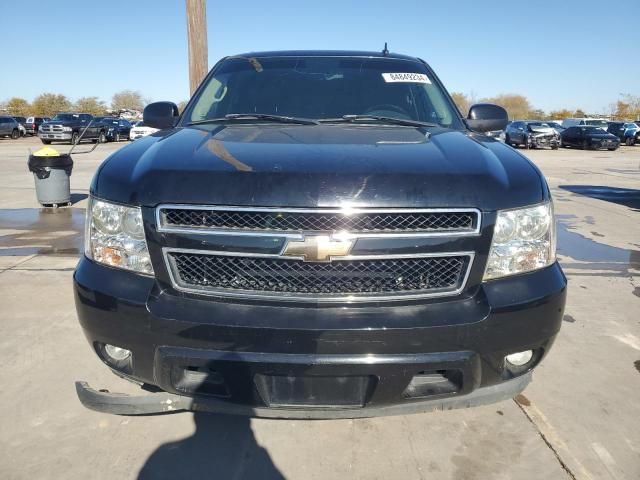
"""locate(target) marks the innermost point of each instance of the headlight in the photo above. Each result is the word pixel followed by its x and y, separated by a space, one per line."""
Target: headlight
pixel 67 129
pixel 523 240
pixel 114 236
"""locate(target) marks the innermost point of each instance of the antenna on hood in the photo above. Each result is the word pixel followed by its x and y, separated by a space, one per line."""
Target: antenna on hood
pixel 385 51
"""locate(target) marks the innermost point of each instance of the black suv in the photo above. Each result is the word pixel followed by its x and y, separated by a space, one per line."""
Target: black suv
pixel 72 127
pixel 319 234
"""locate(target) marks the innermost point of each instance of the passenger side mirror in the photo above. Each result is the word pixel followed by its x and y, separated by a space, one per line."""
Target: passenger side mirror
pixel 485 117
pixel 160 115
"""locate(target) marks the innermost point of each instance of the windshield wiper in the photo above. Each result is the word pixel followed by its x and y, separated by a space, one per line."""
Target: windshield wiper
pixel 257 116
pixel 381 119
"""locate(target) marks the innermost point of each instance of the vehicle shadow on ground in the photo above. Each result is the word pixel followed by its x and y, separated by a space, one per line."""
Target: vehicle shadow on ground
pixel 622 196
pixel 223 446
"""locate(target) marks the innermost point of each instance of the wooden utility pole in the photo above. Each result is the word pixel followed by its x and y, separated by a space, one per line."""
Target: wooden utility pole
pixel 197 37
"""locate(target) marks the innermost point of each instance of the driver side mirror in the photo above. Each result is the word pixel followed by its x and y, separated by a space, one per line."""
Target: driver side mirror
pixel 160 115
pixel 486 117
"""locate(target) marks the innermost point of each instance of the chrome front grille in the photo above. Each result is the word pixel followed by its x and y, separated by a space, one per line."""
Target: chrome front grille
pixel 322 254
pixel 51 128
pixel 371 277
pixel 321 220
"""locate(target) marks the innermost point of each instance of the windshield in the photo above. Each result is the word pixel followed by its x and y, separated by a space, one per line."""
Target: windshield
pixel 65 117
pixel 324 88
pixel 597 123
pixel 538 125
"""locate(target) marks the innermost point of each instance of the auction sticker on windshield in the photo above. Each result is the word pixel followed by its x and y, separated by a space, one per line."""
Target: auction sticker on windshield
pixel 406 77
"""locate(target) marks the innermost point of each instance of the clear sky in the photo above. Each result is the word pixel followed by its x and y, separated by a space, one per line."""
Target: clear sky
pixel 574 54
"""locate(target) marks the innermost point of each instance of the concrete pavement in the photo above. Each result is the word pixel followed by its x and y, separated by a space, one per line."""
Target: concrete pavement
pixel 580 418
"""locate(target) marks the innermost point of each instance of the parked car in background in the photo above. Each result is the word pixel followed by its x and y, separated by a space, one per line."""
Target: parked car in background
pixel 21 122
pixel 68 127
pixel 556 126
pixel 9 127
pixel 116 128
pixel 594 122
pixel 587 137
pixel 140 130
pixel 531 134
pixel 627 132
pixel 33 124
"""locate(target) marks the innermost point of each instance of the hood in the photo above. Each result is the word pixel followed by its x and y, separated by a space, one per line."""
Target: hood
pixel 543 130
pixel 61 122
pixel 316 166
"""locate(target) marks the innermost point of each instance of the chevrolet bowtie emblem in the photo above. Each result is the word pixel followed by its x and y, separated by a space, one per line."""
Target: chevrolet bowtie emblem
pixel 317 248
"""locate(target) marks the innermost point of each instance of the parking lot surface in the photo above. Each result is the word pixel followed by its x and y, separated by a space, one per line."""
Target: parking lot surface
pixel 580 418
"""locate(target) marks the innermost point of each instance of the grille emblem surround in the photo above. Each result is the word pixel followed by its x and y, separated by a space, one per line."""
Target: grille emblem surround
pixel 317 248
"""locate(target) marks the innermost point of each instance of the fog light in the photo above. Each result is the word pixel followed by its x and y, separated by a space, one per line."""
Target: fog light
pixel 116 353
pixel 520 358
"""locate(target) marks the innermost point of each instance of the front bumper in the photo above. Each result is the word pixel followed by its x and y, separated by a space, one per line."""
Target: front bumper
pixel 163 402
pixel 542 142
pixel 598 145
pixel 267 359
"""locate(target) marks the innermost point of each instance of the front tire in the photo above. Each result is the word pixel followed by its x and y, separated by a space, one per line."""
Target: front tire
pixel 74 138
pixel 46 142
pixel 629 141
pixel 102 138
pixel 15 134
pixel 116 138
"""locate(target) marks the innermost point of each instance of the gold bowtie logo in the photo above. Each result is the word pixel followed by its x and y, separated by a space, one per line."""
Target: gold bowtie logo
pixel 317 248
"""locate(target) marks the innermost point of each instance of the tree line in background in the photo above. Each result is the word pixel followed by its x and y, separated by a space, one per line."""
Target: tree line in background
pixel 519 108
pixel 48 104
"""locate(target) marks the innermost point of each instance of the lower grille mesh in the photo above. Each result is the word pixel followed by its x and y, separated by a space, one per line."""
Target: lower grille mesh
pixel 342 277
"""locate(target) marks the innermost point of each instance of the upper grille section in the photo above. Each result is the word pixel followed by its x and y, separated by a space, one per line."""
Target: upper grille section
pixel 363 221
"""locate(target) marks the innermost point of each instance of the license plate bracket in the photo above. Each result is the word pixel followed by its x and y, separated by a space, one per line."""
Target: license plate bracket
pixel 314 391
